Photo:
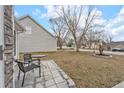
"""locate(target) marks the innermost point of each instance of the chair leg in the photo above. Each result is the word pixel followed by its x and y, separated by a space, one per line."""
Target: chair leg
pixel 39 69
pixel 19 75
pixel 23 80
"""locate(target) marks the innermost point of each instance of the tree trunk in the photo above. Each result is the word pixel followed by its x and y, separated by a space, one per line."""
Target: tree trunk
pixel 76 43
pixel 77 47
pixel 59 43
pixel 60 46
pixel 101 49
pixel 89 46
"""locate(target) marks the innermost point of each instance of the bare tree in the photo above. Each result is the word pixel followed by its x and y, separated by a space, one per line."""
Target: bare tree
pixel 109 38
pixel 97 39
pixel 90 38
pixel 58 27
pixel 108 41
pixel 93 36
pixel 72 16
pixel 102 41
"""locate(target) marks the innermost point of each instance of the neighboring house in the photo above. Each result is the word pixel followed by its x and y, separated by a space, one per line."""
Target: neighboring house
pixel 118 44
pixel 18 29
pixel 36 38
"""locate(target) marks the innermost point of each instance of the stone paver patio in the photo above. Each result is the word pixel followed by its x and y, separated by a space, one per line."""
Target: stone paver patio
pixel 52 76
pixel 120 85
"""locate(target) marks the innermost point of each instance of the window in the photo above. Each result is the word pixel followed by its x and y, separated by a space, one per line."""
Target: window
pixel 28 30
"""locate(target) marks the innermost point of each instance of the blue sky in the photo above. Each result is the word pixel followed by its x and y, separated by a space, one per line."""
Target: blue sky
pixel 22 10
pixel 113 13
pixel 109 11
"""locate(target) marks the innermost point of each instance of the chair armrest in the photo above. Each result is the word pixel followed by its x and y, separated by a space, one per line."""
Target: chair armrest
pixel 19 61
pixel 35 59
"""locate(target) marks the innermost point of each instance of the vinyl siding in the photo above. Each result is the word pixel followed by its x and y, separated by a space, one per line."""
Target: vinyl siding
pixel 39 40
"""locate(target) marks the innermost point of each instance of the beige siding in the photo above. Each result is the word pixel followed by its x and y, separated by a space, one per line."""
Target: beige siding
pixel 38 40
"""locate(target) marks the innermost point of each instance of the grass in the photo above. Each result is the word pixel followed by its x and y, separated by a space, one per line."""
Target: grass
pixel 89 71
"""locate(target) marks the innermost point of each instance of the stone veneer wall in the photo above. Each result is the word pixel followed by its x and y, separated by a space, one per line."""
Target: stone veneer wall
pixel 8 43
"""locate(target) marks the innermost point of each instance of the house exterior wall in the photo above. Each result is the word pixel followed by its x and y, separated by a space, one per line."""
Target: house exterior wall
pixel 8 46
pixel 38 40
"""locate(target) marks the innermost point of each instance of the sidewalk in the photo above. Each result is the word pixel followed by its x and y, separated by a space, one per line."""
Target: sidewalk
pixel 97 51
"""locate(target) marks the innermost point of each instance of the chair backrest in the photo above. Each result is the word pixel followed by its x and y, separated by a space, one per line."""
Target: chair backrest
pixel 27 57
pixel 20 65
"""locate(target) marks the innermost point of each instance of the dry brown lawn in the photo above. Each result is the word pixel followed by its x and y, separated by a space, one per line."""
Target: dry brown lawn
pixel 89 71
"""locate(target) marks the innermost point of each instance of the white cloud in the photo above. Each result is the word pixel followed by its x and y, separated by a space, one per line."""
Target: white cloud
pixel 43 15
pixel 39 14
pixel 121 11
pixel 52 11
pixel 97 12
pixel 99 20
pixel 116 25
pixel 116 31
pixel 36 12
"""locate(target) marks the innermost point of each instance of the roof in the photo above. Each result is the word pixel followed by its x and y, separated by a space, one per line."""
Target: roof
pixel 27 16
pixel 18 27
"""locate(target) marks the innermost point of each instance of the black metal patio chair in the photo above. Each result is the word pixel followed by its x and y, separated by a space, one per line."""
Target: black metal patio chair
pixel 27 68
pixel 28 58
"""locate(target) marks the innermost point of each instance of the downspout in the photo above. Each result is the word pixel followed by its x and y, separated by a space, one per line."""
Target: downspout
pixel 17 45
pixel 2 75
pixel 13 28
